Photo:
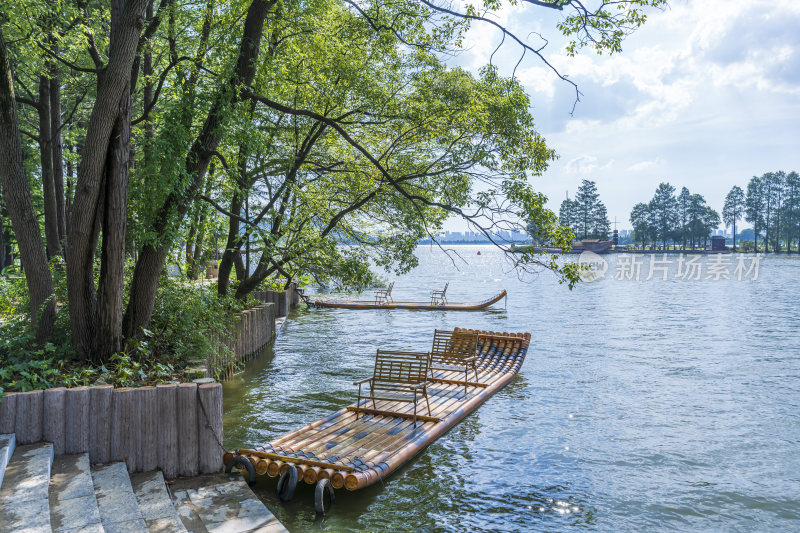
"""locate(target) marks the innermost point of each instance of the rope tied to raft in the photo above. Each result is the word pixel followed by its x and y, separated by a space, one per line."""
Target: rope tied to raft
pixel 208 424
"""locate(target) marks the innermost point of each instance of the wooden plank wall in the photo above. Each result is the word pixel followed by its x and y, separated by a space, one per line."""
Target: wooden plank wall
pixel 253 330
pixel 177 428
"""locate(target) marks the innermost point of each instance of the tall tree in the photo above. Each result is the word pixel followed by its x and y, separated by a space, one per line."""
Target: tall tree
pixel 20 207
pixel 590 216
pixel 665 209
pixel 600 224
pixel 754 207
pixel 792 209
pixel 776 183
pixel 710 222
pixel 640 219
pixel 683 202
pixel 733 210
pixel 101 193
pixel 567 214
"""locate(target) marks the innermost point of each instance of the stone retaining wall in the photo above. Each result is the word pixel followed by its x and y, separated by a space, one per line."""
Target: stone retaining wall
pixel 174 427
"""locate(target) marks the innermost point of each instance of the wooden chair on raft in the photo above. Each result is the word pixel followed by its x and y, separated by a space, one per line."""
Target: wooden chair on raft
pixel 455 351
pixel 384 295
pixel 397 377
pixel 439 297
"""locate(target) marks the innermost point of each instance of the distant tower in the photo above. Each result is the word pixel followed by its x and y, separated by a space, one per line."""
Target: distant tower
pixel 615 239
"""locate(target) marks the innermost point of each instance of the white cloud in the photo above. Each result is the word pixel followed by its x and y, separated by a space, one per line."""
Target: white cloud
pixel 585 165
pixel 645 165
pixel 703 95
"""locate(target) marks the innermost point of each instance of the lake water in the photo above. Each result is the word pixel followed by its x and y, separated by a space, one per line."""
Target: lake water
pixel 642 405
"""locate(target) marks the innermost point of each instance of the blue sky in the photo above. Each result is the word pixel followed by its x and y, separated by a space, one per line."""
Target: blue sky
pixel 705 95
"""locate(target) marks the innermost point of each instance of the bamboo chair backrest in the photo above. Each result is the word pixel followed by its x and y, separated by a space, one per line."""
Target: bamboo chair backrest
pixel 445 288
pixel 389 288
pixel 453 347
pixel 399 368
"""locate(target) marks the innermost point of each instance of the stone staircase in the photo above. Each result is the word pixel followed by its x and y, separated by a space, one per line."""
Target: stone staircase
pixel 65 494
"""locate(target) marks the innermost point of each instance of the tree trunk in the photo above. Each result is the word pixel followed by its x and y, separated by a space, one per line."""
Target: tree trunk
pixel 20 208
pixel 190 270
pixel 233 244
pixel 58 156
pixel 46 161
pixel 113 93
pixel 148 268
pixel 108 335
pixel 68 190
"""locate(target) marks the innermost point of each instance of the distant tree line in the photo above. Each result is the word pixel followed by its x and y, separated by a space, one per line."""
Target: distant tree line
pixel 772 205
pixel 586 215
pixel 685 219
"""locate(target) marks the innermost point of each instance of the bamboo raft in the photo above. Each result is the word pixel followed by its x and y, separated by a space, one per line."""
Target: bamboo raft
pixel 425 306
pixel 353 452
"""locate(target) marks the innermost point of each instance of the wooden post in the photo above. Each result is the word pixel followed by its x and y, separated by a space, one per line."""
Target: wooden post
pixel 167 396
pixel 76 432
pixel 245 334
pixel 210 427
pixel 124 427
pixel 8 413
pixel 262 325
pixel 273 299
pixel 29 417
pixel 147 458
pixel 283 304
pixel 251 329
pixel 270 320
pixel 100 400
pixel 237 350
pixel 54 417
pixel 187 429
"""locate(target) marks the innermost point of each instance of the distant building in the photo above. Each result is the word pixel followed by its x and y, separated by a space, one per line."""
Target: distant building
pixel 718 243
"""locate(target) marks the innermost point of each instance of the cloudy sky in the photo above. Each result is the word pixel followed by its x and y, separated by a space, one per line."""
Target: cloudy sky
pixel 705 95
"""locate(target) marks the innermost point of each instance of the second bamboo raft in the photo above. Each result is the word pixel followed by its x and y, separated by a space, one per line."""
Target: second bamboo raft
pixel 356 453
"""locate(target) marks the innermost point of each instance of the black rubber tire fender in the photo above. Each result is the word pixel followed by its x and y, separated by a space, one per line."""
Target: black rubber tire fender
pixel 287 483
pixel 243 461
pixel 323 491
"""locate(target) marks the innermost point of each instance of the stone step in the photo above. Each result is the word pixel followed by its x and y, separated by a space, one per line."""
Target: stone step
pixel 221 503
pixel 155 503
pixel 119 510
pixel 188 512
pixel 7 445
pixel 24 504
pixel 73 506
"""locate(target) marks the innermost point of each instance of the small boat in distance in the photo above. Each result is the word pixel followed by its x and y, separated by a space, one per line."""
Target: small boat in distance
pixel 425 306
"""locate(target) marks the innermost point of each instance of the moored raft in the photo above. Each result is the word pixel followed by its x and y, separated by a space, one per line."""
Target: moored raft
pixel 421 306
pixel 355 448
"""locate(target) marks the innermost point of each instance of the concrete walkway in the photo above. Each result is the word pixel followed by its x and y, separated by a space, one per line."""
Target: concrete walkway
pixel 65 494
